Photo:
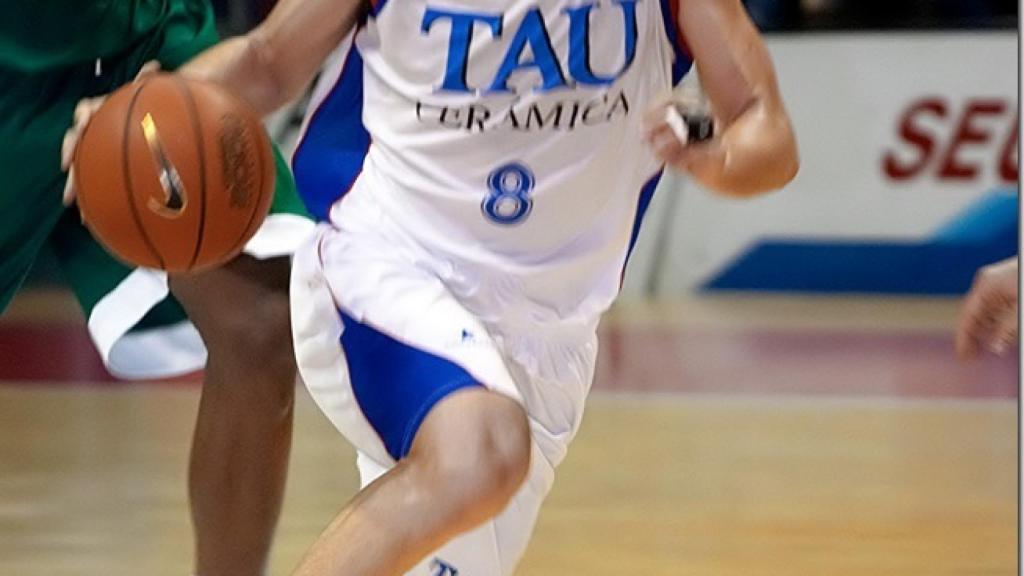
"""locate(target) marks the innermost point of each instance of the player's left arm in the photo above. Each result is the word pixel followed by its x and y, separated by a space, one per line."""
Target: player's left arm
pixel 754 150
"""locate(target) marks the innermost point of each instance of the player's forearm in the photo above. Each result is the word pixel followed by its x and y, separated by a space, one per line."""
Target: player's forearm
pixel 273 63
pixel 238 64
pixel 757 150
pixel 760 153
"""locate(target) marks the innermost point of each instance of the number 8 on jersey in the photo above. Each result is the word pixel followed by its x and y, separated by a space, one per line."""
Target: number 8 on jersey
pixel 508 201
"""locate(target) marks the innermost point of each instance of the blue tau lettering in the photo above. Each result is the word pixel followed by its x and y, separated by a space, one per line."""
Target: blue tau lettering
pixel 579 42
pixel 443 568
pixel 458 42
pixel 532 36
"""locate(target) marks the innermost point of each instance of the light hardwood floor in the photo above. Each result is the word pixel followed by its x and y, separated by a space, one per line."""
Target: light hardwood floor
pixel 884 458
pixel 92 483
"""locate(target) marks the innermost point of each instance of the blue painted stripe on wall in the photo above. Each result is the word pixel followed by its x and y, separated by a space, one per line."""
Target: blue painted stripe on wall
pixel 859 268
pixel 983 220
pixel 943 265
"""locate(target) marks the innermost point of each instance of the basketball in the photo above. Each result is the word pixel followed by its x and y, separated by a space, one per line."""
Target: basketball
pixel 174 173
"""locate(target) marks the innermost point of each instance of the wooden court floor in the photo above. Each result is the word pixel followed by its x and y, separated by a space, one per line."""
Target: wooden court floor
pixel 731 436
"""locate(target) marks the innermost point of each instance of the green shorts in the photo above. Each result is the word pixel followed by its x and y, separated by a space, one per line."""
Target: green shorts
pixel 140 331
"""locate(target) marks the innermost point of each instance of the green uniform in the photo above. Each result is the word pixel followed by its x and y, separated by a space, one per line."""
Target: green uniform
pixel 53 53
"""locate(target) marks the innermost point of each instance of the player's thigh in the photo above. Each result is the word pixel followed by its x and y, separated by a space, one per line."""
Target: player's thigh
pixel 35 109
pixel 24 228
pixel 19 246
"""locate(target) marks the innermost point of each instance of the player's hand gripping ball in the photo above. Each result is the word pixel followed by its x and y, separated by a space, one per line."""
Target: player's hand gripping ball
pixel 173 173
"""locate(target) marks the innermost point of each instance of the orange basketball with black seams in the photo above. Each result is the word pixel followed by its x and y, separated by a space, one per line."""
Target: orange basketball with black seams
pixel 174 173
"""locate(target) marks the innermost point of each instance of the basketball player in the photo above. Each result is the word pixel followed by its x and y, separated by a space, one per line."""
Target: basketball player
pixel 481 168
pixel 988 317
pixel 52 54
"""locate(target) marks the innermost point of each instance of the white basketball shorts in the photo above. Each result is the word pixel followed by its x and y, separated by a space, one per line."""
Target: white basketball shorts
pixel 384 329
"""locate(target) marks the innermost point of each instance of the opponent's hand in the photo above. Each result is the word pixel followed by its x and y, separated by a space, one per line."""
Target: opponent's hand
pixel 665 131
pixel 83 113
pixel 988 316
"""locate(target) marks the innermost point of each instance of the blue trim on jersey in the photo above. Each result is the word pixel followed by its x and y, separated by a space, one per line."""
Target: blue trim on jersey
pixel 646 194
pixel 376 6
pixel 682 62
pixel 395 384
pixel 330 156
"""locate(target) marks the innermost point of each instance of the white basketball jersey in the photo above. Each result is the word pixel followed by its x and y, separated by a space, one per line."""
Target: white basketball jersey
pixel 501 135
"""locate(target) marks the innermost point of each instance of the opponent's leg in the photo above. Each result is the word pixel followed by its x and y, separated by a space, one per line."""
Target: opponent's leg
pixel 243 431
pixel 469 457
pixel 34 111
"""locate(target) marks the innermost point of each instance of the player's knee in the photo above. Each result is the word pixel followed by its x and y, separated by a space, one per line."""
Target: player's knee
pixel 505 448
pixel 256 345
pixel 481 477
pixel 259 337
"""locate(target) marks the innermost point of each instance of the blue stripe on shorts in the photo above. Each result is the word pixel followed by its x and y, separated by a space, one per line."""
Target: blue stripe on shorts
pixel 396 385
